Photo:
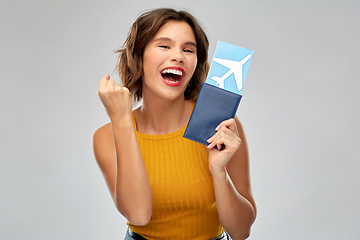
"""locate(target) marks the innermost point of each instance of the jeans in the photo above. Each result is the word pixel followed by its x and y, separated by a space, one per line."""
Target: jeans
pixel 224 236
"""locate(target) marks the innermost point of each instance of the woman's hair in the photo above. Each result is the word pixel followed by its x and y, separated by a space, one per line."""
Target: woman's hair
pixel 130 61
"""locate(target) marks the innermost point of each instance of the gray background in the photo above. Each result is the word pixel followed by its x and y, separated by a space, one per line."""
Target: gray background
pixel 300 111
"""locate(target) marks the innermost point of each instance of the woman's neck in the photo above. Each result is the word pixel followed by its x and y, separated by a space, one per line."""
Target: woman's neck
pixel 156 116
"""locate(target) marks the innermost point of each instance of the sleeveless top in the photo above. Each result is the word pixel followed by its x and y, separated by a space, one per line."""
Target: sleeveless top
pixel 184 204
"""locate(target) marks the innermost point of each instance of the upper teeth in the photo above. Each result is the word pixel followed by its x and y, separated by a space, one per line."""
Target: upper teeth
pixel 173 71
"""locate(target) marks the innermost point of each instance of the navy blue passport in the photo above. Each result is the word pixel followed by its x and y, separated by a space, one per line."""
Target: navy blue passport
pixel 212 106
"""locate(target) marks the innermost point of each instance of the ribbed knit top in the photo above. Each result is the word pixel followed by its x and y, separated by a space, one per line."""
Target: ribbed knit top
pixel 184 204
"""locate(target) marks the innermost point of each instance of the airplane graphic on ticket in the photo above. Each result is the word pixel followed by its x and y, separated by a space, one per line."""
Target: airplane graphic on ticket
pixel 229 67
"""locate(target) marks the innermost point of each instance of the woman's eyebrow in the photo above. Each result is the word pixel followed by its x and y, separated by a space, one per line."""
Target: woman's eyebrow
pixel 190 43
pixel 163 39
pixel 166 39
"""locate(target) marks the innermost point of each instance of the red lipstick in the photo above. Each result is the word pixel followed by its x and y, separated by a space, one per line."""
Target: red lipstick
pixel 172 76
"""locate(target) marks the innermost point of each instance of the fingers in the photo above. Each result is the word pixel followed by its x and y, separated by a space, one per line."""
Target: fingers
pixel 108 86
pixel 103 82
pixel 119 88
pixel 219 137
pixel 115 98
pixel 106 83
pixel 225 136
pixel 111 83
pixel 230 124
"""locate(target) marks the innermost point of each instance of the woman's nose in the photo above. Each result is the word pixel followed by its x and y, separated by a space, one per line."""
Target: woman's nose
pixel 177 56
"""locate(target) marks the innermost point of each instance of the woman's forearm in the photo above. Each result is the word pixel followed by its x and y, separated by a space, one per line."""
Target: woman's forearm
pixel 133 196
pixel 235 212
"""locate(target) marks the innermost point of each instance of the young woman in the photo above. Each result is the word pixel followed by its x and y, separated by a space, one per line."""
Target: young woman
pixel 166 186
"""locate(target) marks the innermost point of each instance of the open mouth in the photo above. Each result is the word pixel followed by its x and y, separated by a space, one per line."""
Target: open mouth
pixel 172 75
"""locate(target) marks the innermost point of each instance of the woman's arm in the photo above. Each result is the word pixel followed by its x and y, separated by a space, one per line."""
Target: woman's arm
pixel 118 155
pixel 231 176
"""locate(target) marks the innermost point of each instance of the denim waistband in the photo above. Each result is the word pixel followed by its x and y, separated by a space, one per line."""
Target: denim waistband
pixel 136 236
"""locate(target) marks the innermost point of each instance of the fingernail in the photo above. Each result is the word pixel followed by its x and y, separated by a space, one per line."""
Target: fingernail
pixel 217 128
pixel 208 140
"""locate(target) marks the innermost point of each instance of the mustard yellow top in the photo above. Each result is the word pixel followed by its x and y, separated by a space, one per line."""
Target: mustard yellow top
pixel 184 204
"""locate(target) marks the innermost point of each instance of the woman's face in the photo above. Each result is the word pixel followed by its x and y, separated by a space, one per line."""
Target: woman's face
pixel 169 61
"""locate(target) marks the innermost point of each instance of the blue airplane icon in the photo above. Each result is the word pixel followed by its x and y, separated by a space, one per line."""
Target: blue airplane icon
pixel 234 67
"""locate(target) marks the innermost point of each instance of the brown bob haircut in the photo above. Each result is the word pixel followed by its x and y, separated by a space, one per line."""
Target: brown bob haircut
pixel 130 61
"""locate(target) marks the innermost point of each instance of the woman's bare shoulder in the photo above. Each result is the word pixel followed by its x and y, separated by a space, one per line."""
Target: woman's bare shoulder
pixel 103 143
pixel 103 131
pixel 104 152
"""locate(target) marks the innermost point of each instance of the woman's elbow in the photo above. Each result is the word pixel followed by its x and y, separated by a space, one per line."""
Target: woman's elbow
pixel 242 232
pixel 139 220
pixel 138 214
pixel 137 217
pixel 242 236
